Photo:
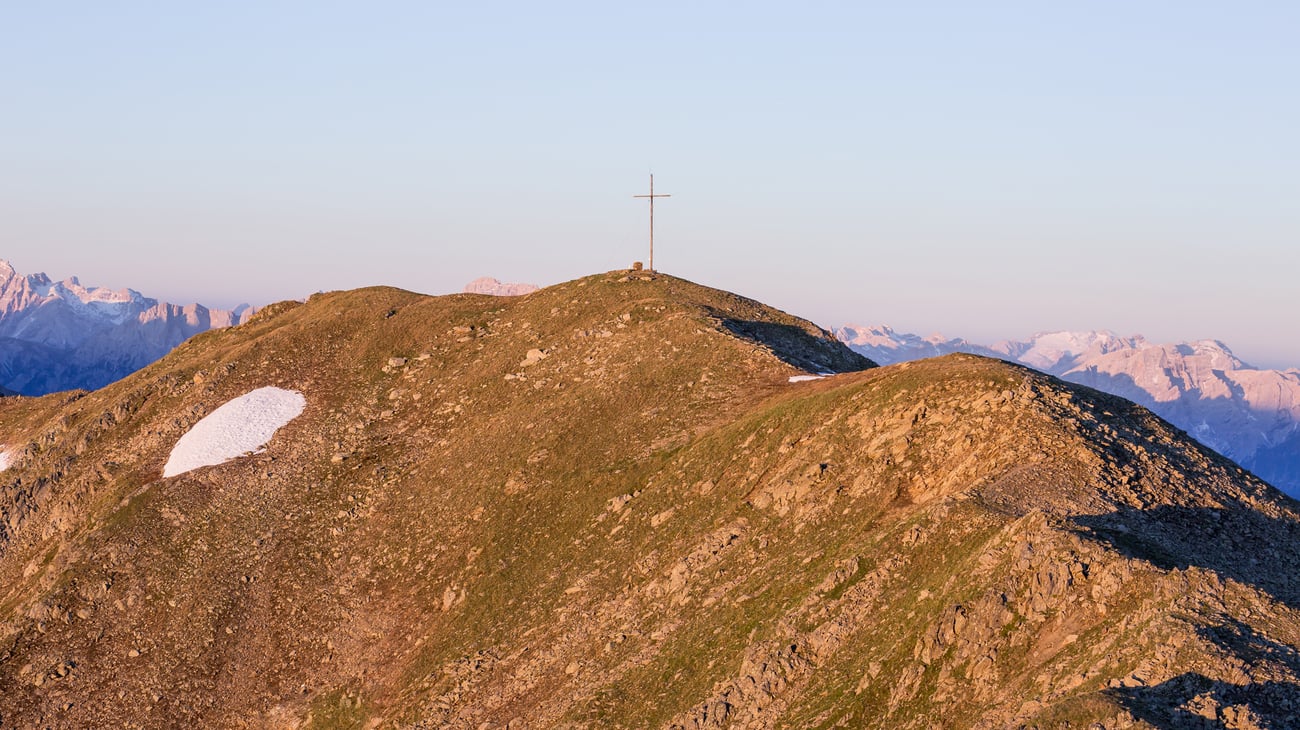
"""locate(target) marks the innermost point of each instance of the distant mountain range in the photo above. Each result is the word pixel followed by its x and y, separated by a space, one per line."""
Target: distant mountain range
pixel 60 335
pixel 1248 414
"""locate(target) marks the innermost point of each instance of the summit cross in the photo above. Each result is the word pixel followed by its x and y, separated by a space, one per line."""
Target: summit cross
pixel 652 197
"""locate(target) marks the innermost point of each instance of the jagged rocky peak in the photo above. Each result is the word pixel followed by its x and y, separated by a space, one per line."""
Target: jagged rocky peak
pixel 1051 350
pixel 606 504
pixel 64 335
pixel 494 287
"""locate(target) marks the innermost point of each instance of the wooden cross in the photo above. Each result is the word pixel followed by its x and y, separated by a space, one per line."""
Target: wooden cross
pixel 652 197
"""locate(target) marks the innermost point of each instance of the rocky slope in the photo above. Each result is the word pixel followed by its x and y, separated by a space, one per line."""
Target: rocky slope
pixel 62 335
pixel 604 504
pixel 1248 414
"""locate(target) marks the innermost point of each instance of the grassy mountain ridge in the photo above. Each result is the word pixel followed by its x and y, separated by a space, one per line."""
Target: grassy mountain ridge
pixel 604 505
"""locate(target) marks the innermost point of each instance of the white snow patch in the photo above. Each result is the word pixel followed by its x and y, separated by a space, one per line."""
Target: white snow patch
pixel 803 378
pixel 236 428
pixel 6 459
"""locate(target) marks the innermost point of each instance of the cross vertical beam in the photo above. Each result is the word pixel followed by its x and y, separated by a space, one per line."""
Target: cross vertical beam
pixel 652 197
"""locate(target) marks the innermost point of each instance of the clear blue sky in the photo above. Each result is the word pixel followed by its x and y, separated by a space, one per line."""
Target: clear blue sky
pixel 984 169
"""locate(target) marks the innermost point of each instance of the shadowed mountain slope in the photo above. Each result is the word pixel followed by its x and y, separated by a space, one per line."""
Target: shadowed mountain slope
pixel 603 504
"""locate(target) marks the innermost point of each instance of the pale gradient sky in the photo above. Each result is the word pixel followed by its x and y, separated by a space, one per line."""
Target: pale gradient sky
pixel 983 169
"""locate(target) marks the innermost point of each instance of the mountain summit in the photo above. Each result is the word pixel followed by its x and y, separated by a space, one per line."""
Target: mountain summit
pixel 62 335
pixel 607 504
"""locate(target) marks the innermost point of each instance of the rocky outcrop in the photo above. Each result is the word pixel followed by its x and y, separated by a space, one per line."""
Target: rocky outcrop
pixel 496 288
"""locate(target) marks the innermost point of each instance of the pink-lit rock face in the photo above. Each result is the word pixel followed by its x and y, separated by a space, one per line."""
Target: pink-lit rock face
pixel 60 335
pixel 488 285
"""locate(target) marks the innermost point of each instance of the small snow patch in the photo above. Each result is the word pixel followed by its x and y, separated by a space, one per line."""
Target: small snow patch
pixel 6 459
pixel 805 378
pixel 238 427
